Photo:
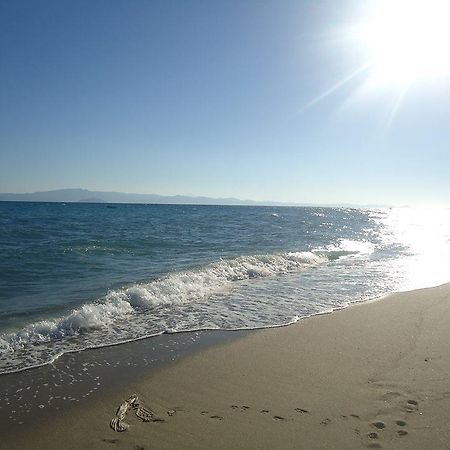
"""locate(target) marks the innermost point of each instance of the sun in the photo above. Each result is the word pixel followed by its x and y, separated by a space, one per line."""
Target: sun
pixel 398 44
pixel 408 40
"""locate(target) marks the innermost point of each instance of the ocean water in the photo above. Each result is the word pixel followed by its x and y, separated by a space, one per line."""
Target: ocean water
pixel 76 276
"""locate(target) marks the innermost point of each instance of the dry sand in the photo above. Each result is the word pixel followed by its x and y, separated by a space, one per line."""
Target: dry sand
pixel 375 375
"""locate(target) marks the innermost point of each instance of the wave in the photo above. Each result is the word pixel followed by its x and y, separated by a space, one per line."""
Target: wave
pixel 115 312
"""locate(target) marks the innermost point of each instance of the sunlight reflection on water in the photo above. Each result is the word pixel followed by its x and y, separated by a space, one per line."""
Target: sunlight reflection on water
pixel 425 232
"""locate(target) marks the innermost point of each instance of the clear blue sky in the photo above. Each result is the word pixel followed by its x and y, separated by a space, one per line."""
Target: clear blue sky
pixel 211 98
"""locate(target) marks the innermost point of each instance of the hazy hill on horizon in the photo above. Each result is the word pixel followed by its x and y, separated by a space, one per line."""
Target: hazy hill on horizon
pixel 87 196
pixel 78 195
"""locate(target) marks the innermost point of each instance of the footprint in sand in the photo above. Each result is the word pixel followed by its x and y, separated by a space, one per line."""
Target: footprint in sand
pixel 203 413
pixel 241 408
pixel 388 396
pixel 301 411
pixel 373 435
pixel 401 432
pixel 325 421
pixel 412 405
pixel 381 426
pixel 111 441
pixel 278 418
pixel 264 411
pixel 216 417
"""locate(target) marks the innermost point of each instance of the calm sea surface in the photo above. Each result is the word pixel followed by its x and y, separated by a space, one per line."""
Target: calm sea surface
pixel 77 276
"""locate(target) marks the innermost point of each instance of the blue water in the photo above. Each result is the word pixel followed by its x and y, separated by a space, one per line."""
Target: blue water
pixel 76 276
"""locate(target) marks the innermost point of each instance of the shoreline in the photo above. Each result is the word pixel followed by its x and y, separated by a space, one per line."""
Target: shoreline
pixel 372 375
pixel 194 331
pixel 31 398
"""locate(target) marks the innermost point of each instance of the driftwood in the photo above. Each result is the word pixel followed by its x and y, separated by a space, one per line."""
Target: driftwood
pixel 146 415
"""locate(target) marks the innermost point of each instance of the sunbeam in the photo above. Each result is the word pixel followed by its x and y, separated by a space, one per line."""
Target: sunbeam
pixel 405 41
pixel 335 87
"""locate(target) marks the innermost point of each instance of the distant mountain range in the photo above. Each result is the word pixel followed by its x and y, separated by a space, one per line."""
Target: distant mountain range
pixel 86 196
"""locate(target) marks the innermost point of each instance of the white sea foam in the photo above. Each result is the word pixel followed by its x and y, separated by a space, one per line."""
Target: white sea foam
pixel 220 295
pixel 196 285
pixel 90 316
pixel 178 288
pixel 371 253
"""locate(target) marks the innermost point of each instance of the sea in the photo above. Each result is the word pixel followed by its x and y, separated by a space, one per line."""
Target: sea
pixel 75 276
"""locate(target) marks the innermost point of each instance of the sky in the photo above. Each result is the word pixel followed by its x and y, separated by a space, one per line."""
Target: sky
pixel 223 99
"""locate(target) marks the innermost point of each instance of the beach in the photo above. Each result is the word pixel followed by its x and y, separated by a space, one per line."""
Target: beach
pixel 373 375
pixel 225 225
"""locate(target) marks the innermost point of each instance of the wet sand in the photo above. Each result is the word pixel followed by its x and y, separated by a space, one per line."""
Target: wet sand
pixel 374 375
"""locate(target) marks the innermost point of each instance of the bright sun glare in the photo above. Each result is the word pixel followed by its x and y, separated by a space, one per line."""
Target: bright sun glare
pixel 408 40
pixel 403 41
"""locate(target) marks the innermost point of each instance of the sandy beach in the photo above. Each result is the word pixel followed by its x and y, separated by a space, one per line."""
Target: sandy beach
pixel 224 225
pixel 373 375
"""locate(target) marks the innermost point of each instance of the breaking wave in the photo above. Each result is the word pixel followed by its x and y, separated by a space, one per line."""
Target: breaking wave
pixel 144 309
